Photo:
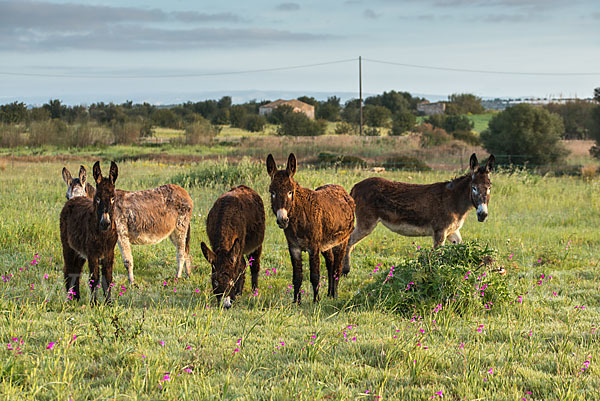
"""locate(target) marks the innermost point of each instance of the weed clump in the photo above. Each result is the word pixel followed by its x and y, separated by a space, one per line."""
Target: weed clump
pixel 463 277
pixel 221 173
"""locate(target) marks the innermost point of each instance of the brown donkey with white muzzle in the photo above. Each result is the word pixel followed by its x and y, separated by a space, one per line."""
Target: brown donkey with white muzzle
pixel 316 222
pixel 88 231
pixel 415 210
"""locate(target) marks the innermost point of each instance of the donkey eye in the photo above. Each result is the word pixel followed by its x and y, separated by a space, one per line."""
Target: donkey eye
pixel 112 200
pixel 98 200
pixel 474 189
pixel 290 194
pixel 273 195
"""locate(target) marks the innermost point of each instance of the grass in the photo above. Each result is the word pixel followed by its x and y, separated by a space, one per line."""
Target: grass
pixel 168 340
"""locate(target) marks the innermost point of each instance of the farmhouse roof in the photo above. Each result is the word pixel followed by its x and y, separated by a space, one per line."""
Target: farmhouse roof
pixel 294 103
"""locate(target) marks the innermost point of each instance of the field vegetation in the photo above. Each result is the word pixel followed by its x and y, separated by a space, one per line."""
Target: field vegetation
pixel 408 324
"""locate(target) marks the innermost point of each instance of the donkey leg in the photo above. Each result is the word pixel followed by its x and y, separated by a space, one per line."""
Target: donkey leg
pixel 328 255
pixel 125 248
pixel 314 258
pixel 296 256
pixel 255 267
pixel 365 224
pixel 338 260
pixel 72 272
pixel 94 278
pixel 241 279
pixel 107 270
pixel 178 239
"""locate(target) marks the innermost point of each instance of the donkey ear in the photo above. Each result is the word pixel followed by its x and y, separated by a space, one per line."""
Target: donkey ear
pixel 114 172
pixel 491 163
pixel 271 165
pixel 473 163
pixel 82 175
pixel 208 254
pixel 97 172
pixel 291 165
pixel 67 176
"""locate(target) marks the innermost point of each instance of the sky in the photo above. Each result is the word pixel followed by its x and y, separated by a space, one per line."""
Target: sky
pixel 188 50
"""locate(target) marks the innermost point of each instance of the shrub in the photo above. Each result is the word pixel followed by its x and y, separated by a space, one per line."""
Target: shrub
pixel 371 131
pixel 254 123
pixel 340 160
pixel 51 132
pixel 11 136
pixel 377 116
pixel 237 116
pixel 462 277
pixel 87 135
pixel 200 132
pixel 432 136
pixel 166 118
pixel 403 122
pixel 127 133
pixel 345 128
pixel 467 136
pixel 298 124
pixel 525 134
pixel 405 163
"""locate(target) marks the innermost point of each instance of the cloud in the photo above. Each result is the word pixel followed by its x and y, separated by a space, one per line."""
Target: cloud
pixel 370 14
pixel 288 7
pixel 40 26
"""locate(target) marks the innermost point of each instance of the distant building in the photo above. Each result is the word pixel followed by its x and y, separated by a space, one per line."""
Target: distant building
pixel 430 109
pixel 297 105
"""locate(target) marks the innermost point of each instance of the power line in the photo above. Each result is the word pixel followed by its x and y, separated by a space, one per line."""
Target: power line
pixel 189 75
pixel 429 67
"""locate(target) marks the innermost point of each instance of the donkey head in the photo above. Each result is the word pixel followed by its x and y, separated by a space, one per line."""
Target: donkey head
pixel 75 186
pixel 282 189
pixel 104 200
pixel 481 185
pixel 226 265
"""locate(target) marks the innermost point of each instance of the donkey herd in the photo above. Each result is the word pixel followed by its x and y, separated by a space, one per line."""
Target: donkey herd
pixel 320 222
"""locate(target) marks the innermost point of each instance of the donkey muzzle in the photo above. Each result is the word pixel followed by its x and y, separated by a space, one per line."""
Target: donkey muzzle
pixel 227 302
pixel 104 222
pixel 482 212
pixel 282 218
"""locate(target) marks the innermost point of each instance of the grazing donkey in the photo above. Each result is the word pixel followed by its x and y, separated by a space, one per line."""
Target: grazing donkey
pixel 236 227
pixel 147 217
pixel 317 221
pixel 88 231
pixel 414 210
pixel 78 186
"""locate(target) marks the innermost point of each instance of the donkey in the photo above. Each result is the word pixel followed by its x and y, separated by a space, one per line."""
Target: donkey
pixel 78 186
pixel 88 231
pixel 414 210
pixel 318 221
pixel 236 227
pixel 146 217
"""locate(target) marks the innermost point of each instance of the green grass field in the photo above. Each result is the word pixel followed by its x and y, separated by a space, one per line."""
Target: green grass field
pixel 168 340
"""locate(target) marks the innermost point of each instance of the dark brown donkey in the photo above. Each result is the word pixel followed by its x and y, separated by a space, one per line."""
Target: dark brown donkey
pixel 236 227
pixel 316 222
pixel 78 186
pixel 88 231
pixel 146 217
pixel 415 210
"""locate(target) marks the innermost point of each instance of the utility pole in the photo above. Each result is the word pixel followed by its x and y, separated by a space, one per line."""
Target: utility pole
pixel 360 93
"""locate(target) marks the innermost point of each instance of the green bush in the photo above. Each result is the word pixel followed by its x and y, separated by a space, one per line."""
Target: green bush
pixel 467 136
pixel 462 277
pixel 432 136
pixel 200 132
pixel 525 134
pixel 405 163
pixel 298 124
pixel 254 123
pixel 327 158
pixel 345 128
pixel 403 122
